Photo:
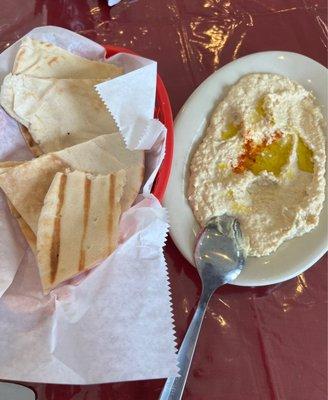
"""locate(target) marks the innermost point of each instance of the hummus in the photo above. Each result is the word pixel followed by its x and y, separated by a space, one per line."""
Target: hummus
pixel 262 160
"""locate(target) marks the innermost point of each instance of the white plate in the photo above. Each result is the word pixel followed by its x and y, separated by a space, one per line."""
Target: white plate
pixel 294 256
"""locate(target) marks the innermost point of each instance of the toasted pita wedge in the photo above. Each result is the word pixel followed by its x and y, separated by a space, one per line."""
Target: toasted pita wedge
pixel 58 113
pixel 45 60
pixel 106 154
pixel 78 224
pixel 26 185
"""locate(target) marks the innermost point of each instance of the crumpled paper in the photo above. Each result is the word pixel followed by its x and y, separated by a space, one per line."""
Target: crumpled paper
pixel 113 323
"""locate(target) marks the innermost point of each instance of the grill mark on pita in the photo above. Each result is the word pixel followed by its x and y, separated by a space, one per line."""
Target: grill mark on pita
pixel 55 244
pixel 111 206
pixel 87 190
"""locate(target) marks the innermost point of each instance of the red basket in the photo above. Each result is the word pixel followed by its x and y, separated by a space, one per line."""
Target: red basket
pixel 163 112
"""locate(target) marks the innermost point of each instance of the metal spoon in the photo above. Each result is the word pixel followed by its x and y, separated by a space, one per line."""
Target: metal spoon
pixel 219 257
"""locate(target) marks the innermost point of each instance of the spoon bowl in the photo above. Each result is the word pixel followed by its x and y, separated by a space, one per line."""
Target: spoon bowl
pixel 219 252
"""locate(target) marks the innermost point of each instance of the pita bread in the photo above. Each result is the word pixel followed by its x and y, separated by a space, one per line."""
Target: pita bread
pixel 27 184
pixel 106 154
pixel 33 178
pixel 45 60
pixel 58 113
pixel 77 200
pixel 38 59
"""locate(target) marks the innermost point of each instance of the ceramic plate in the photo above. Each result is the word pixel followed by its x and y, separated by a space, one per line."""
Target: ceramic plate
pixel 295 255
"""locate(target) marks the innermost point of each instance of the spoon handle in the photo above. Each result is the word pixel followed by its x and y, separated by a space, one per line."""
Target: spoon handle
pixel 173 387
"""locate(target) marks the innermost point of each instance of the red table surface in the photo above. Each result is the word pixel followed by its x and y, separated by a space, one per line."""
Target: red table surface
pixel 256 343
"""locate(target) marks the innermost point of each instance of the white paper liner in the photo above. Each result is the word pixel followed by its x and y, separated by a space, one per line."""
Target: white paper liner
pixel 115 325
pixel 131 99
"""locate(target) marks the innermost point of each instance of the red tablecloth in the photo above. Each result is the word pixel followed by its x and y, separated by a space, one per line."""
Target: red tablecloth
pixel 256 344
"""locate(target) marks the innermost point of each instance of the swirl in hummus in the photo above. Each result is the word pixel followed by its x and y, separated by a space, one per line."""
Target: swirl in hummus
pixel 262 160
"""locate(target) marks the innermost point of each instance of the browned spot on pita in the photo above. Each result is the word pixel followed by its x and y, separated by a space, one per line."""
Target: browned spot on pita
pixel 52 60
pixel 87 189
pixel 33 146
pixel 112 182
pixel 55 245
